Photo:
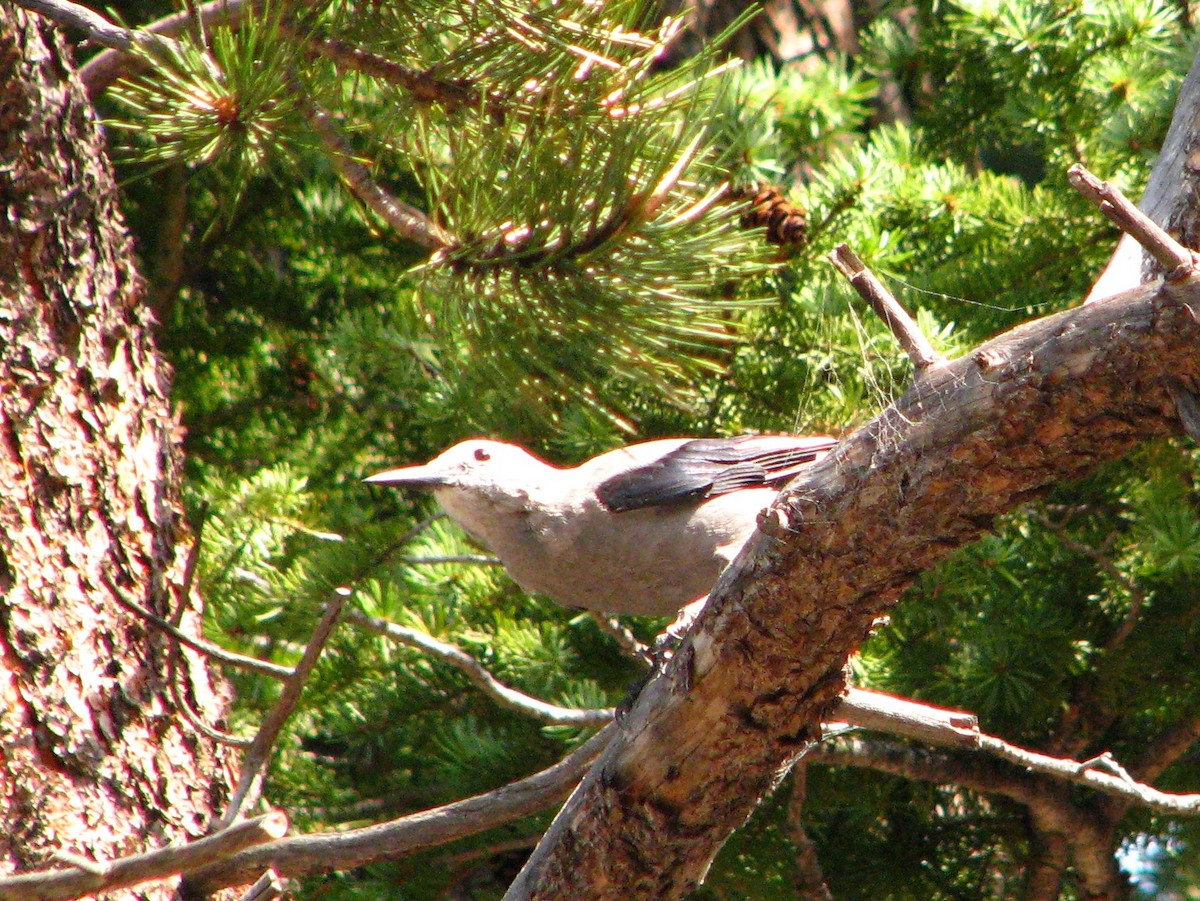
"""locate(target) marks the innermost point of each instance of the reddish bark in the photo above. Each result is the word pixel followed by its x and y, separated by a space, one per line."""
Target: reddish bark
pixel 94 758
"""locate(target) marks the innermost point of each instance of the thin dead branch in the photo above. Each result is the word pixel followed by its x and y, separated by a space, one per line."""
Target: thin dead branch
pixel 260 748
pixel 953 729
pixel 1088 773
pixel 887 308
pixel 478 559
pixel 810 880
pixel 1137 597
pixel 1177 260
pixel 193 718
pixel 80 880
pixel 76 17
pixel 268 887
pixel 480 677
pixel 625 639
pixel 301 854
pixel 1048 801
pixel 208 649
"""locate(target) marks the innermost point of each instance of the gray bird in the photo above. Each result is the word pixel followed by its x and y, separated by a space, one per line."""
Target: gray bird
pixel 644 529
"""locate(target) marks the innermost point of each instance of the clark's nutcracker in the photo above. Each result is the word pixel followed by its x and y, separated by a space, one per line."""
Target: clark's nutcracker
pixel 644 529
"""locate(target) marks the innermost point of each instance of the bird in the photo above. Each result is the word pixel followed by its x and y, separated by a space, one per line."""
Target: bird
pixel 643 530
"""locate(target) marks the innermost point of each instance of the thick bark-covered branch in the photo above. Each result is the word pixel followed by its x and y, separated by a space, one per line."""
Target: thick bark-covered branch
pixel 745 694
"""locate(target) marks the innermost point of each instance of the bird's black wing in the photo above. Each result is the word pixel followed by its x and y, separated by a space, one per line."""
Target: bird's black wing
pixel 709 466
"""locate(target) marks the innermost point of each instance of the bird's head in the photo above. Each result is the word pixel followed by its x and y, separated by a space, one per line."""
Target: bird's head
pixel 475 465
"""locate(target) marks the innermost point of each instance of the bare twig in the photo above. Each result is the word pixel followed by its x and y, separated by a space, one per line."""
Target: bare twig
pixel 887 308
pixel 912 720
pixel 810 881
pixel 1177 260
pixel 216 652
pixel 406 220
pixel 1049 803
pixel 479 675
pixel 176 660
pixel 1087 774
pixel 268 887
pixel 193 719
pixel 297 855
pixel 516 843
pixel 191 564
pixel 81 880
pixel 1108 762
pixel 260 748
pixel 87 864
pixel 626 640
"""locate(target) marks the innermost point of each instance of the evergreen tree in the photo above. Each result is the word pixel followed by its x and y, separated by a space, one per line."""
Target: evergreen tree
pixel 375 229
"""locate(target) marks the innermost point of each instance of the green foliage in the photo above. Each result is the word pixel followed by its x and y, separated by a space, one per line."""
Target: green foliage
pixel 570 186
pixel 594 289
pixel 214 99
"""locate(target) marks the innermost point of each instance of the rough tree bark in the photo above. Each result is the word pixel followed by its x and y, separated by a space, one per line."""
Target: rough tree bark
pixel 94 757
pixel 746 692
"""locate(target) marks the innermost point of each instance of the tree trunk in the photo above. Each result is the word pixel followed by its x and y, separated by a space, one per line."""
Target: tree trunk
pixel 784 31
pixel 95 758
pixel 746 691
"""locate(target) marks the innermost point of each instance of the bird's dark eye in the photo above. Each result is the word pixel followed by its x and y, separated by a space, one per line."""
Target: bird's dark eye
pixel 481 454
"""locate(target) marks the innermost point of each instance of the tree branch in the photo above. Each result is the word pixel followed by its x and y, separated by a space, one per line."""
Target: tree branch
pixel 625 639
pixel 1137 597
pixel 952 729
pixel 1172 196
pixel 1177 261
pixel 301 854
pixel 904 717
pixel 260 749
pixel 1048 803
pixel 887 308
pixel 268 887
pixel 76 882
pixel 407 221
pixel 977 437
pixel 480 677
pixel 101 71
pixel 810 881
pixel 75 17
pixel 216 652
pixel 424 86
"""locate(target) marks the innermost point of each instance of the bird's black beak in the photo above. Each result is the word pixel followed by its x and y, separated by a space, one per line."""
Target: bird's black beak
pixel 415 476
